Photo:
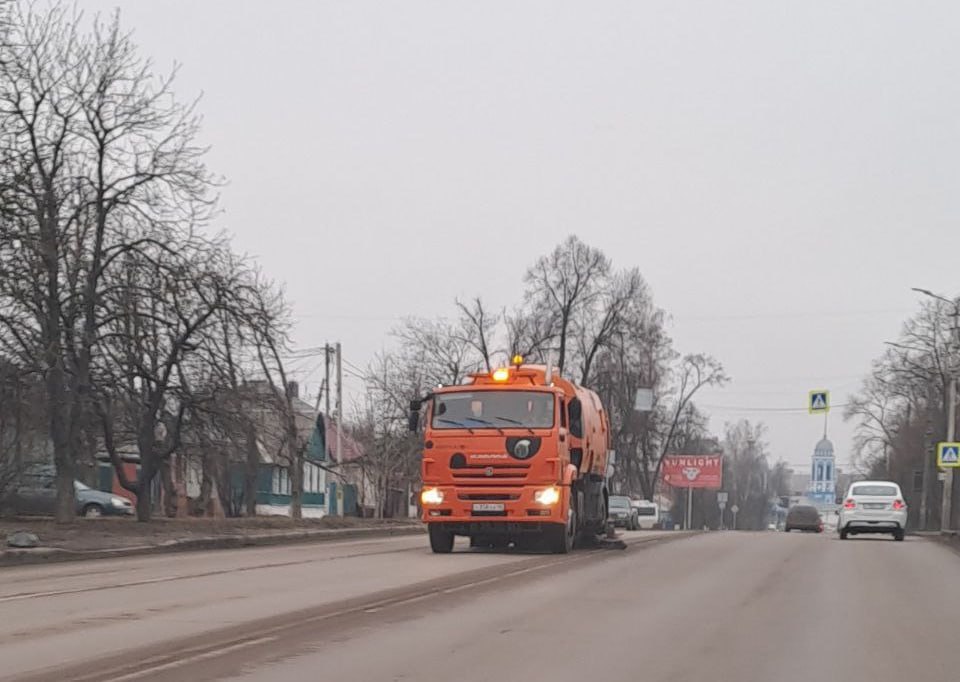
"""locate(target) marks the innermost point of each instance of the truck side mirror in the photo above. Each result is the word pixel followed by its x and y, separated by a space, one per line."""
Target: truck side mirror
pixel 413 420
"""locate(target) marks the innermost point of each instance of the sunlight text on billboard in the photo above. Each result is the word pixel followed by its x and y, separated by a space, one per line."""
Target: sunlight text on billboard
pixel 693 471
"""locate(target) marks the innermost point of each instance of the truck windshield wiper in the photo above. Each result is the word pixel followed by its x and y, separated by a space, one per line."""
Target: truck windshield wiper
pixel 486 423
pixel 455 423
pixel 514 421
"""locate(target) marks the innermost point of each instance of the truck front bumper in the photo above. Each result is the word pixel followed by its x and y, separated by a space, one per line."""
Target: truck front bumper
pixel 495 507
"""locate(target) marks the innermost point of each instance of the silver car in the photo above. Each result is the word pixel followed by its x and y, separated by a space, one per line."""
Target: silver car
pixel 873 507
pixel 37 495
pixel 621 512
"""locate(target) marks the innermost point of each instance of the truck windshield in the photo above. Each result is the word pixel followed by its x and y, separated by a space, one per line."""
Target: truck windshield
pixel 493 410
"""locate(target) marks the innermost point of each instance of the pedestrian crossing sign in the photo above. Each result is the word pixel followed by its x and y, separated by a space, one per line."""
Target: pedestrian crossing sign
pixel 948 455
pixel 819 402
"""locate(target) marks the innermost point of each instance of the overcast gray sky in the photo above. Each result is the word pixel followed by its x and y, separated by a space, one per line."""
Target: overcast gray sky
pixel 781 172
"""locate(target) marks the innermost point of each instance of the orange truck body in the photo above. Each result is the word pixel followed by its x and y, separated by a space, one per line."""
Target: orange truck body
pixel 519 455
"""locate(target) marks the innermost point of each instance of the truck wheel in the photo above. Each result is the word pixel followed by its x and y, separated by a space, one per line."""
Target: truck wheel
pixel 441 540
pixel 564 536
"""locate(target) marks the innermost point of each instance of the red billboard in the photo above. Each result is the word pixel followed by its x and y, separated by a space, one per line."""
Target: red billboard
pixel 693 471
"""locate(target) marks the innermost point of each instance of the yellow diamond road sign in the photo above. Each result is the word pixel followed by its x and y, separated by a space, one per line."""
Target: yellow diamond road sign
pixel 948 455
pixel 819 402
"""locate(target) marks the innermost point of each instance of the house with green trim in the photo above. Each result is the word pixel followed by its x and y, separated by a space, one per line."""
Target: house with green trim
pixel 326 487
pixel 273 475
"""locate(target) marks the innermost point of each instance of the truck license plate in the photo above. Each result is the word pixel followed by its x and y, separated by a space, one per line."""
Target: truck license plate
pixel 488 506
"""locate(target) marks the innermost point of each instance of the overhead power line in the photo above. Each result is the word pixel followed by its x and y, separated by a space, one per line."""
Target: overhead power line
pixel 735 408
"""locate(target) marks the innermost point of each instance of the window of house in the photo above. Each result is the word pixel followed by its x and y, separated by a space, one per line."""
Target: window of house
pixel 918 480
pixel 281 481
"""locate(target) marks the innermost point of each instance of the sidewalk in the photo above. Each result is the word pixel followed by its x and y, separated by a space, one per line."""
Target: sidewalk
pixel 112 538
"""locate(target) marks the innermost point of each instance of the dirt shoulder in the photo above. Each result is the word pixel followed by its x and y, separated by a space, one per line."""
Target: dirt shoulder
pixel 110 538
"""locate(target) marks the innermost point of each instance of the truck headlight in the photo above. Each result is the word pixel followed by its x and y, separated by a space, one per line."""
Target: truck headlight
pixel 547 496
pixel 431 496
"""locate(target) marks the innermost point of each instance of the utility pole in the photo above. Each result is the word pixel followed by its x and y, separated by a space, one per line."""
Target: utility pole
pixel 339 456
pixel 326 382
pixel 947 503
pixel 339 352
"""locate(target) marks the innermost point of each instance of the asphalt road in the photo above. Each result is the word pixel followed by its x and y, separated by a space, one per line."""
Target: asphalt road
pixel 728 606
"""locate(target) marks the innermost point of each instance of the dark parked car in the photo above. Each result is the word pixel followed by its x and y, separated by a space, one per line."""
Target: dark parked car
pixel 804 517
pixel 37 495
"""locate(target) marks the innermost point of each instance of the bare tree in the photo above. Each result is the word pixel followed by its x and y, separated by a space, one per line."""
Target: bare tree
pixel 162 307
pixel 607 315
pixel 477 327
pixel 269 325
pixel 748 468
pixel 40 152
pixel 443 352
pixel 901 409
pixel 565 282
pixel 98 160
pixel 530 331
pixel 144 175
pixel 230 364
pixel 390 457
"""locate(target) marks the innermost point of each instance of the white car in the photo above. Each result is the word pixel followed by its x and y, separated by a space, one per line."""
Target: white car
pixel 648 514
pixel 873 507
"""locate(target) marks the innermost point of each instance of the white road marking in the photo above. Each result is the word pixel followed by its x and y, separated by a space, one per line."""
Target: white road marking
pixel 193 659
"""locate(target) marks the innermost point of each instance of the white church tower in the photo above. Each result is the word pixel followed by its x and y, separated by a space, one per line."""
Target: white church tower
pixel 823 475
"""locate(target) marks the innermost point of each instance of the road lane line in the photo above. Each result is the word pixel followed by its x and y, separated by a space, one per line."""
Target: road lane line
pixel 193 659
pixel 204 574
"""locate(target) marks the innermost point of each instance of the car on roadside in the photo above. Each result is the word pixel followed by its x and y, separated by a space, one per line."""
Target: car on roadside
pixel 804 517
pixel 648 514
pixel 873 507
pixel 620 512
pixel 37 496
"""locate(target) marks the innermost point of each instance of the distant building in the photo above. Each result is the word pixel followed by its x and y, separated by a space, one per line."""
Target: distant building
pixel 799 483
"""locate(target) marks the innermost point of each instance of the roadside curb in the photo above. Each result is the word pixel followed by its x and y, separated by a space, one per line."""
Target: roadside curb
pixel 47 555
pixel 949 539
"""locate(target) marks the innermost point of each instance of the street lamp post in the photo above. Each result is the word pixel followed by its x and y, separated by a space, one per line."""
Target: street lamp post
pixel 946 504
